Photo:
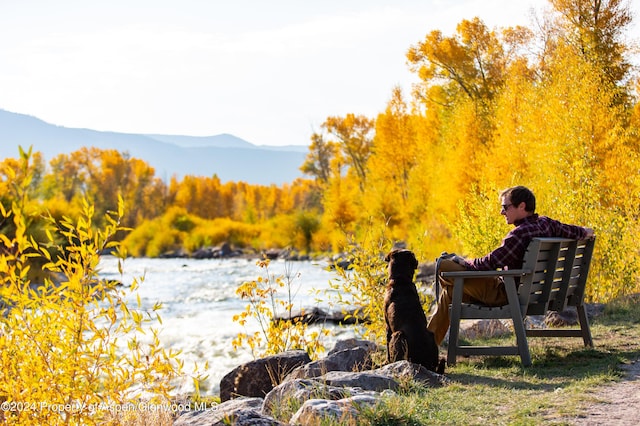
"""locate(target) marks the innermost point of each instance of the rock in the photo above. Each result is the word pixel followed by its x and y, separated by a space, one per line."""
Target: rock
pixel 240 411
pixel 224 250
pixel 317 315
pixel 406 370
pixel 273 254
pixel 367 380
pixel 321 411
pixel 337 386
pixel 473 329
pixel 257 378
pixel 203 253
pixel 352 359
pixel 353 343
pixel 221 251
pixel 342 261
pixel 561 319
pixel 306 316
pixel 426 273
pixel 300 390
pixel 177 253
pixel 569 317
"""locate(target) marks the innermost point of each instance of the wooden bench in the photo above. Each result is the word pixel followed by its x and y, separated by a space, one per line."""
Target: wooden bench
pixel 552 278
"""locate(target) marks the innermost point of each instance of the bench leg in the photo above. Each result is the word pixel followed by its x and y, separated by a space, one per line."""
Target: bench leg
pixel 584 326
pixel 518 321
pixel 521 338
pixel 454 321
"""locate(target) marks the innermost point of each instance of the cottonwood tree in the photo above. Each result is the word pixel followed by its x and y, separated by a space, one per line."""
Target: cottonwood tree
pixel 318 160
pixel 595 29
pixel 354 137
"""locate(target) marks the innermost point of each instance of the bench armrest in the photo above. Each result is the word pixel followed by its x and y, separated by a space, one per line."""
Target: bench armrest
pixel 482 274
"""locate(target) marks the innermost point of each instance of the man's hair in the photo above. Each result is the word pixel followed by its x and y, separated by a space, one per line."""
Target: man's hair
pixel 519 194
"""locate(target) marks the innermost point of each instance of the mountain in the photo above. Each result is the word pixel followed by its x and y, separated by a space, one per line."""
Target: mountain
pixel 229 157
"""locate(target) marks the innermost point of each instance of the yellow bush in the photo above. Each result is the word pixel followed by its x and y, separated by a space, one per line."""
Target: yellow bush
pixel 62 358
pixel 275 327
pixel 220 230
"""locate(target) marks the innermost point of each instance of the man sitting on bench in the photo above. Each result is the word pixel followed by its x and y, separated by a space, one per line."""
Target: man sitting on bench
pixel 518 208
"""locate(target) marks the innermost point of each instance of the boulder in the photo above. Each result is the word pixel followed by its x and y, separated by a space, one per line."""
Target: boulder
pixel 350 359
pixel 301 390
pixel 273 254
pixel 403 371
pixel 203 253
pixel 257 378
pixel 486 328
pixel 344 411
pixel 473 329
pixel 569 317
pixel 224 250
pixel 426 273
pixel 339 395
pixel 565 318
pixel 239 412
pixel 341 345
pixel 367 380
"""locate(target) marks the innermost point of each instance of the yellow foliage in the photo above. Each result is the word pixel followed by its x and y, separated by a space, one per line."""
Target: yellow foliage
pixel 489 115
pixel 272 326
pixel 177 229
pixel 61 360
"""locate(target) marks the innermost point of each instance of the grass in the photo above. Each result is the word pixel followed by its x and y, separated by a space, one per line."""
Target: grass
pixel 499 391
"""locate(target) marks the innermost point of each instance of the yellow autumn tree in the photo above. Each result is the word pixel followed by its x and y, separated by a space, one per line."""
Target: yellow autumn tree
pixel 562 130
pixel 390 166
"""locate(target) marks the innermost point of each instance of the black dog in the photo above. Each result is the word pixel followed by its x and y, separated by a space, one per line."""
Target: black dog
pixel 407 334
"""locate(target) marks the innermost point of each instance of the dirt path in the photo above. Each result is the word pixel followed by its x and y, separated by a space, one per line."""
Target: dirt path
pixel 619 403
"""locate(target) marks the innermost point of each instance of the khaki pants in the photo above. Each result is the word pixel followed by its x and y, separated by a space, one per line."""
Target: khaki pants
pixel 488 291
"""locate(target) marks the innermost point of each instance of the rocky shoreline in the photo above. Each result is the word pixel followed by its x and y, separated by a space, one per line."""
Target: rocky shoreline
pixel 332 388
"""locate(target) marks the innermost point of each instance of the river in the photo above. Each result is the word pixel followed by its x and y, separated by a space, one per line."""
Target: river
pixel 199 301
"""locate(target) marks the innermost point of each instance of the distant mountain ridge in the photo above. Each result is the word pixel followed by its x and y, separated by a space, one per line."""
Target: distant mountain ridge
pixel 227 156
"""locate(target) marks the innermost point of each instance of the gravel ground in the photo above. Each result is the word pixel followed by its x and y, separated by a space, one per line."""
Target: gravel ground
pixel 617 404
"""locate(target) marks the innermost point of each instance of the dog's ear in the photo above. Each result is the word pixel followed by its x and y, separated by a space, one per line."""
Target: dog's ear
pixel 390 255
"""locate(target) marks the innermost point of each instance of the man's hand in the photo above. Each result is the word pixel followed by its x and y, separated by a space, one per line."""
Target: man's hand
pixel 454 257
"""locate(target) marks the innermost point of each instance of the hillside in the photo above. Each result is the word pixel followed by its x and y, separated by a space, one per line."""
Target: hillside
pixel 229 157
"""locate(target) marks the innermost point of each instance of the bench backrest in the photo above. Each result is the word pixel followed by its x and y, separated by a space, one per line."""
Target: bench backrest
pixel 560 267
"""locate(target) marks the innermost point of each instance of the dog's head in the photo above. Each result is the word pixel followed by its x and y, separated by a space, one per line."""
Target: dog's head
pixel 402 263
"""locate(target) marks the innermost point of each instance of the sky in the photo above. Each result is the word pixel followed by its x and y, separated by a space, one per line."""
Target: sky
pixel 269 72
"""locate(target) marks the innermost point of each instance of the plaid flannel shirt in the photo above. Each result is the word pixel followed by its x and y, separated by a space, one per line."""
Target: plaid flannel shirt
pixel 511 253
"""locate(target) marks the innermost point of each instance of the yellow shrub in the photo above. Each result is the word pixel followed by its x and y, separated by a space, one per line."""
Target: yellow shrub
pixel 61 354
pixel 277 330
